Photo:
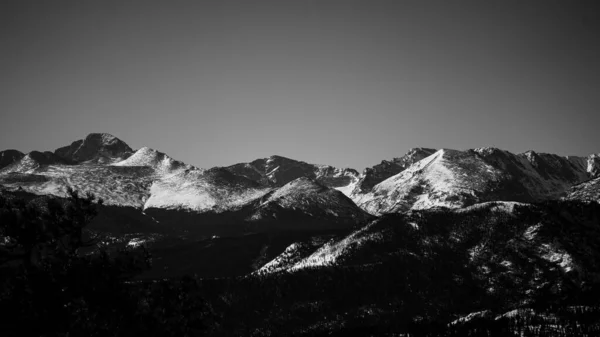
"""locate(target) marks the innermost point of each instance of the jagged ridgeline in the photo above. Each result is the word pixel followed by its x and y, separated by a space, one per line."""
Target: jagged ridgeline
pixel 423 178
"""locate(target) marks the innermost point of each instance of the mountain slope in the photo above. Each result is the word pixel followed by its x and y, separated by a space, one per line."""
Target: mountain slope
pixel 378 173
pixel 538 175
pixel 155 159
pixel 452 178
pixel 305 202
pixel 215 190
pixel 499 251
pixel 447 178
pixel 32 161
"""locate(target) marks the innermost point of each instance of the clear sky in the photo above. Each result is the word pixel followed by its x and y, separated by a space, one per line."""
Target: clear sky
pixel 345 83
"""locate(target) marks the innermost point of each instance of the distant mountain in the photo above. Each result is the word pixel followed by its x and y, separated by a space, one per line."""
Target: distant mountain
pixel 278 171
pixel 217 200
pixel 423 178
pixel 8 157
pixel 98 148
pixel 374 175
pixel 452 178
pixel 303 201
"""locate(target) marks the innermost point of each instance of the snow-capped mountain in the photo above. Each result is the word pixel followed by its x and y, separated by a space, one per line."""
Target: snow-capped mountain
pixel 100 148
pixel 447 178
pixel 452 178
pixel 423 178
pixel 145 179
pixel 154 183
pixel 302 199
pixel 9 156
pixel 278 171
pixel 374 175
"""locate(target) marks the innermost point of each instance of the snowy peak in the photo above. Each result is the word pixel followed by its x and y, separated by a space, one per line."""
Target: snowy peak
pixel 305 198
pixel 378 173
pixel 155 159
pixel 8 157
pixel 99 148
pixel 452 178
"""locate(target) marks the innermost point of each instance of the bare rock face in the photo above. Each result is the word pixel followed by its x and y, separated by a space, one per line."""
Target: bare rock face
pixel 278 171
pixel 99 148
pixel 9 156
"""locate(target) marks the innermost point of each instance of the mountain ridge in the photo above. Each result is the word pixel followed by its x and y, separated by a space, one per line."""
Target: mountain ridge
pixel 146 178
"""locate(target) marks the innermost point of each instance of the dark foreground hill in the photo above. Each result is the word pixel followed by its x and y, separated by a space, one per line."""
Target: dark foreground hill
pixel 498 269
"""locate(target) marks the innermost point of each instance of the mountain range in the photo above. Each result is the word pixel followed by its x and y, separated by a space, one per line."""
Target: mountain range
pixel 413 236
pixel 423 178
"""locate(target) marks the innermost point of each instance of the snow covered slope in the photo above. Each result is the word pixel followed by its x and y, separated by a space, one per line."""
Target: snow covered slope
pixel 123 186
pixel 452 178
pixel 142 182
pixel 215 190
pixel 278 171
pixel 374 175
pixel 447 178
pixel 159 161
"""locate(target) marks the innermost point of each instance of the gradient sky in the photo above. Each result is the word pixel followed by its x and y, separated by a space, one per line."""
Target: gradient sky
pixel 345 83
